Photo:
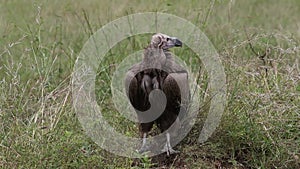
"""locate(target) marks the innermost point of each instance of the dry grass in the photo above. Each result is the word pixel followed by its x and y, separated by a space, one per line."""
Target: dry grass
pixel 38 47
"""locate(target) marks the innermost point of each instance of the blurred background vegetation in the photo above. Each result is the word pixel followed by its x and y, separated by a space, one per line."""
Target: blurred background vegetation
pixel 39 43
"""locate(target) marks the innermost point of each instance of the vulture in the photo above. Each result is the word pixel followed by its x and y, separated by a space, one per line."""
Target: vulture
pixel 144 82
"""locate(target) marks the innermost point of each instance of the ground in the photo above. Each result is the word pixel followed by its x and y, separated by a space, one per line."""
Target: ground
pixel 258 45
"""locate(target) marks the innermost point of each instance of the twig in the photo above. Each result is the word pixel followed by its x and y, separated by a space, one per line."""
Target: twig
pixel 261 57
pixel 87 22
pixel 212 4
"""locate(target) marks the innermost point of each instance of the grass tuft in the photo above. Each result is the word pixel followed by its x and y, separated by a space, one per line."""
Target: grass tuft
pixel 258 43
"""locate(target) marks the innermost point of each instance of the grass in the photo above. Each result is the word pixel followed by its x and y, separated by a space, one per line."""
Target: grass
pixel 40 41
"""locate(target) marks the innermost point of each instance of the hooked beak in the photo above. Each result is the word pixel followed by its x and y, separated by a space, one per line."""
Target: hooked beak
pixel 177 42
pixel 173 42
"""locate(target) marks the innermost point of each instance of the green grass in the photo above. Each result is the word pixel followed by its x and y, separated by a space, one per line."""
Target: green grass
pixel 39 43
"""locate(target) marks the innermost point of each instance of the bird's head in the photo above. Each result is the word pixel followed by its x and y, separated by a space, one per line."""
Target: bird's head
pixel 165 42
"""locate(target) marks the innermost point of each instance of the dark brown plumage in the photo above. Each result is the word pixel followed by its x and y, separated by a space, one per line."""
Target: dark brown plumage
pixel 157 71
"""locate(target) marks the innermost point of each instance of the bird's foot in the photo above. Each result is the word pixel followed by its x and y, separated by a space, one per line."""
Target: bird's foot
pixel 143 149
pixel 169 150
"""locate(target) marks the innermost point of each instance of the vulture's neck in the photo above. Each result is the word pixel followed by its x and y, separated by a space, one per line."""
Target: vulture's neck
pixel 156 57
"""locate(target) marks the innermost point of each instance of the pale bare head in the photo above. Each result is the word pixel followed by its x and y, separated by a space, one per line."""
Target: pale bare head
pixel 163 41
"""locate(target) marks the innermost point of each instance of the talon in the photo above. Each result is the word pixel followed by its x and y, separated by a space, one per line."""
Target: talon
pixel 167 148
pixel 143 149
pixel 172 151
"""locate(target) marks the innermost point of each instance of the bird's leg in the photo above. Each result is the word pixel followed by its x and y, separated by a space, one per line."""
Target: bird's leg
pixel 144 148
pixel 167 148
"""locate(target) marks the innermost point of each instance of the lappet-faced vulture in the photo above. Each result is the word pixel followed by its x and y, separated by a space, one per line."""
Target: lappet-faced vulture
pixel 156 73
